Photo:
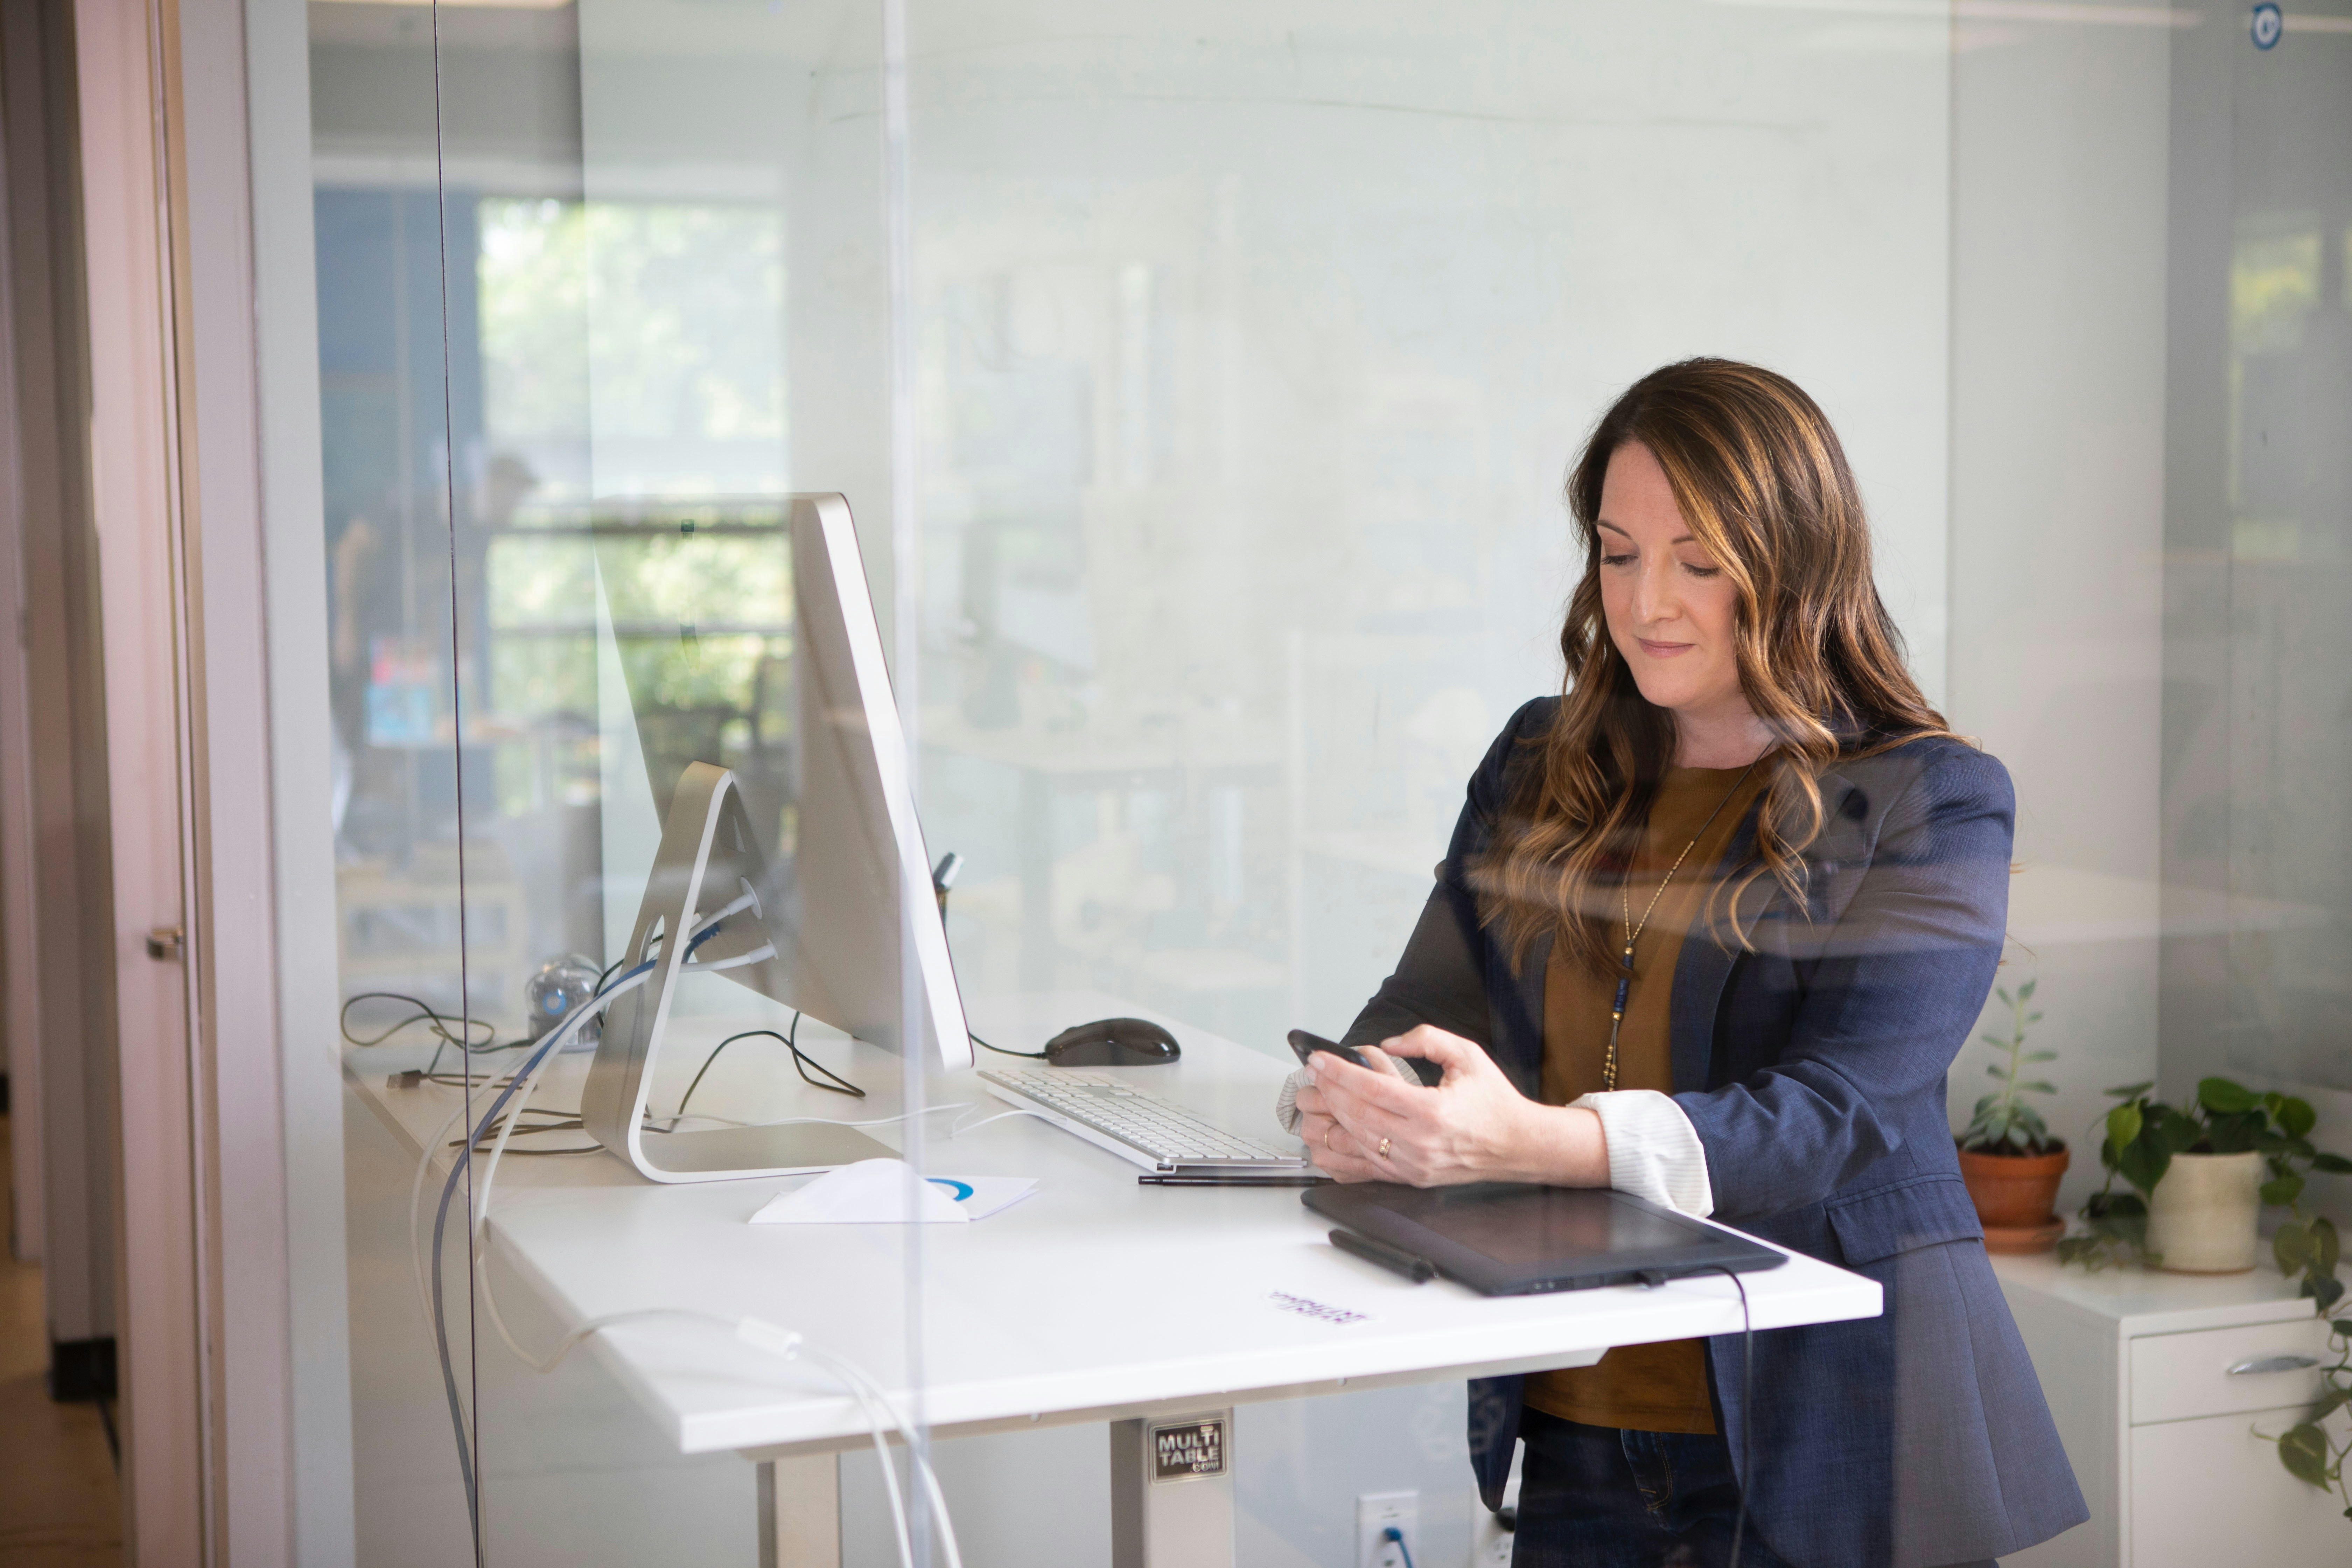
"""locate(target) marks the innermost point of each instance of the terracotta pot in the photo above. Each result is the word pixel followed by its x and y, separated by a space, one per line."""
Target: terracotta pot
pixel 2200 1218
pixel 2014 1192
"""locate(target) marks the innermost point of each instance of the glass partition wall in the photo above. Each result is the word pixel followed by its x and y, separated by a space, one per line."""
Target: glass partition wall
pixel 1253 347
pixel 557 439
pixel 1200 382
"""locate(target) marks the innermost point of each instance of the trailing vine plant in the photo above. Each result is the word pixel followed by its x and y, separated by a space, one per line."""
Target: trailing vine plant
pixel 2306 1449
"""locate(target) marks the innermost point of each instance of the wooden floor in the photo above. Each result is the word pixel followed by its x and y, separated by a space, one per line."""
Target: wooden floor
pixel 58 1501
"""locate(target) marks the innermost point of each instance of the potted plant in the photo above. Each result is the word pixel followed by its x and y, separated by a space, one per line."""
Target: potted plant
pixel 2008 1159
pixel 2199 1178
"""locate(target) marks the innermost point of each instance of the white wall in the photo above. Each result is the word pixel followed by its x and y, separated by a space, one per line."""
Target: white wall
pixel 2059 158
pixel 2259 529
pixel 1254 346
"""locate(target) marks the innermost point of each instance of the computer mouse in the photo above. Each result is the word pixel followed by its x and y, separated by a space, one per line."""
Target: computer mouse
pixel 1112 1043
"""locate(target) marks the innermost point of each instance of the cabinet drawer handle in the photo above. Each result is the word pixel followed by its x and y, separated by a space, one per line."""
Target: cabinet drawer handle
pixel 2275 1364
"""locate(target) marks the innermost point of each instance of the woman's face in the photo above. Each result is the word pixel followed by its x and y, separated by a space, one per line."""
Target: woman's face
pixel 1671 609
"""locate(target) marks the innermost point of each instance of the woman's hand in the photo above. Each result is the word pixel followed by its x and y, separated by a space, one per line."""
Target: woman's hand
pixel 1366 1125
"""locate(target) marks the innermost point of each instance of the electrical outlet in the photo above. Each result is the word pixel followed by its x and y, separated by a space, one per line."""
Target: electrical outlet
pixel 1490 1544
pixel 1377 1513
pixel 1491 1536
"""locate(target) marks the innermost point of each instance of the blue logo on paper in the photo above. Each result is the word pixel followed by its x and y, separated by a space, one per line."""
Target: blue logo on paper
pixel 962 1190
pixel 2266 25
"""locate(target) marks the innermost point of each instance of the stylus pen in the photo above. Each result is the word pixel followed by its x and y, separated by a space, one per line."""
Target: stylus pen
pixel 1418 1269
pixel 1189 1180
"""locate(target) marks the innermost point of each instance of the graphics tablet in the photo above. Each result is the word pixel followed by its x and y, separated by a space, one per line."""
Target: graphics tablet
pixel 1509 1238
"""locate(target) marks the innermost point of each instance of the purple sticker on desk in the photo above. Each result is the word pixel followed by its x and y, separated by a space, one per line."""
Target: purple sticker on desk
pixel 1322 1312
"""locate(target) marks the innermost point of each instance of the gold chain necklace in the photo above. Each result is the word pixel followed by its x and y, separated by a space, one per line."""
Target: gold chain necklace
pixel 1633 932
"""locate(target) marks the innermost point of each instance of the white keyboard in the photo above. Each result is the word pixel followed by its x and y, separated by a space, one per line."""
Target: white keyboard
pixel 1134 1123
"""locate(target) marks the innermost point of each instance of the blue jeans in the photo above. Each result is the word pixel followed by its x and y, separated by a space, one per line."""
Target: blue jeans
pixel 1594 1496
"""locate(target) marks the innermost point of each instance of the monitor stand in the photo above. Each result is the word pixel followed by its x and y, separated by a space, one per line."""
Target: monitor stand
pixel 708 860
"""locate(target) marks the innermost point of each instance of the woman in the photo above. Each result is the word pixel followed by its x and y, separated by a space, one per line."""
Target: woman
pixel 1712 928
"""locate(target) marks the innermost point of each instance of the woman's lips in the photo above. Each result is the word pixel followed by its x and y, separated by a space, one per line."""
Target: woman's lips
pixel 1663 649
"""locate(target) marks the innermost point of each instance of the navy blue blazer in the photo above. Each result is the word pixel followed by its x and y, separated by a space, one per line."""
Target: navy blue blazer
pixel 1812 1066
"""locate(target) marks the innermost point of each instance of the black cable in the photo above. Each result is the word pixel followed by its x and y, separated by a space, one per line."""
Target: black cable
pixel 839 1085
pixel 453 1081
pixel 999 1050
pixel 550 1120
pixel 1747 1406
pixel 425 1013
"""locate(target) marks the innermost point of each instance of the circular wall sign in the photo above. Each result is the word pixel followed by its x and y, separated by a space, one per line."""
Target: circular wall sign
pixel 2266 25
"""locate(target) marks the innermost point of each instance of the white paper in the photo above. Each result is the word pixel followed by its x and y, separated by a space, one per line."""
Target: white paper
pixel 980 1197
pixel 888 1191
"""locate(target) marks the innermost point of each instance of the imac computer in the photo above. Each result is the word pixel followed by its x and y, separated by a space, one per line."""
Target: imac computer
pixel 826 928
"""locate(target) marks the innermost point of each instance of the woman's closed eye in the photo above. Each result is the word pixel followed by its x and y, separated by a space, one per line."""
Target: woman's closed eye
pixel 1701 570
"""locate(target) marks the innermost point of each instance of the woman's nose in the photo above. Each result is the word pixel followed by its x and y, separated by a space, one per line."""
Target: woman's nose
pixel 1654 596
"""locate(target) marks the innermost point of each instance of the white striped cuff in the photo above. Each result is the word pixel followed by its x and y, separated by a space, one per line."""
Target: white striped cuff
pixel 1653 1149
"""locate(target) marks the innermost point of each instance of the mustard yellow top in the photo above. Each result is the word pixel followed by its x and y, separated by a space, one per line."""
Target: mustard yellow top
pixel 1652 1387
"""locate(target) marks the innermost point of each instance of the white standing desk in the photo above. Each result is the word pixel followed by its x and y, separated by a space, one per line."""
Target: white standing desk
pixel 1096 1299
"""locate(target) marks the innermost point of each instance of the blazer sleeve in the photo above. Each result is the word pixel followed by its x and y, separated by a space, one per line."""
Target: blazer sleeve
pixel 1441 978
pixel 1887 997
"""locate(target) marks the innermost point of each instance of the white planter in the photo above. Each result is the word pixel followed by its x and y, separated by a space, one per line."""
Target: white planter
pixel 2200 1218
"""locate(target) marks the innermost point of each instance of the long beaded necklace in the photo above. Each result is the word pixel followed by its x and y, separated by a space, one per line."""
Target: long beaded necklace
pixel 1633 932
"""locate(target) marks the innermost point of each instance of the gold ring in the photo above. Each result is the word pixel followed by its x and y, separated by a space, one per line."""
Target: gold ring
pixel 1384 1147
pixel 1329 1135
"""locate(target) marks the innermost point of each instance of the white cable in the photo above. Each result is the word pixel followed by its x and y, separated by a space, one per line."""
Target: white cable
pixel 433 1299
pixel 850 1374
pixel 591 1327
pixel 868 1393
pixel 665 1128
pixel 513 1116
pixel 881 1412
pixel 877 1121
pixel 759 954
pixel 889 1474
pixel 785 1345
pixel 747 900
pixel 415 1188
pixel 958 1129
pixel 499 1148
pixel 571 1023
pixel 538 1064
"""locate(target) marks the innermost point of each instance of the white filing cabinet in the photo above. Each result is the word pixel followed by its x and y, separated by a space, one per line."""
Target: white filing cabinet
pixel 2138 1366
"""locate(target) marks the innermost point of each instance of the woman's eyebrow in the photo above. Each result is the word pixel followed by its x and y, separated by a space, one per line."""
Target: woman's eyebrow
pixel 1678 539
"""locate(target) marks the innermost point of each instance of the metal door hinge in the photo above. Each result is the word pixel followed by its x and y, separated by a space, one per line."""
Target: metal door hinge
pixel 166 941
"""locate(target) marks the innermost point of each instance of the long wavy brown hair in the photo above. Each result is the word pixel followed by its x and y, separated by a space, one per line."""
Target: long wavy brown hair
pixel 1763 485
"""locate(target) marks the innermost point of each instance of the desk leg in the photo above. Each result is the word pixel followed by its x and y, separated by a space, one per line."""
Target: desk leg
pixel 1171 1491
pixel 800 1512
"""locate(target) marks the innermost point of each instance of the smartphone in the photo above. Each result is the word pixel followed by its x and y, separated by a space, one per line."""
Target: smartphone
pixel 1306 1045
